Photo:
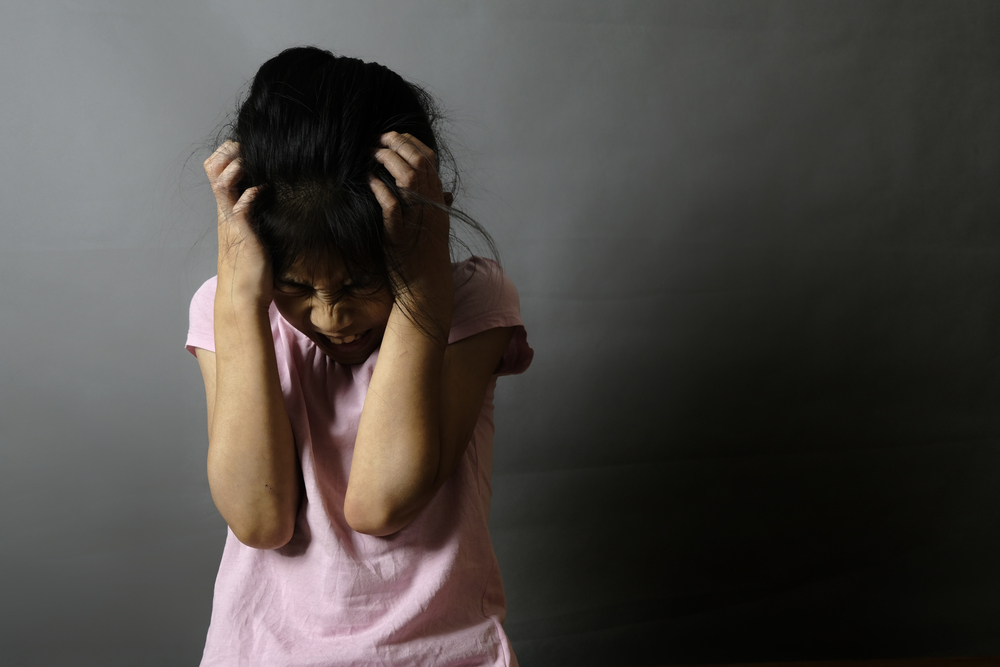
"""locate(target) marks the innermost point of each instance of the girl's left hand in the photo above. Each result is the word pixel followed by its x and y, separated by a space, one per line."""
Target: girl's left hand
pixel 422 233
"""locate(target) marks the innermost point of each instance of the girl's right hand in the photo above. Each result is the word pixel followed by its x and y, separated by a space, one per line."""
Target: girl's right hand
pixel 244 264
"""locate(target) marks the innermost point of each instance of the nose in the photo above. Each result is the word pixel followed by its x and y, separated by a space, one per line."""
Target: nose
pixel 330 318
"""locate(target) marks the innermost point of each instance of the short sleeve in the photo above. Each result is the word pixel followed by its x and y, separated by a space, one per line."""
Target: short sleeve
pixel 485 298
pixel 201 318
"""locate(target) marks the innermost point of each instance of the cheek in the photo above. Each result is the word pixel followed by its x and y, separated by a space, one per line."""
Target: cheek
pixel 292 309
pixel 376 309
pixel 378 314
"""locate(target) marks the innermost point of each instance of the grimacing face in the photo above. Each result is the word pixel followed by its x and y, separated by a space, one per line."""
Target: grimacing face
pixel 345 318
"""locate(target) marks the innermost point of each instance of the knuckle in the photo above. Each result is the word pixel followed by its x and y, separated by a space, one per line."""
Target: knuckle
pixel 425 158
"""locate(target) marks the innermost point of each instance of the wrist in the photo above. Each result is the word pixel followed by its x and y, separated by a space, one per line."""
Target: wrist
pixel 238 305
pixel 427 275
pixel 242 326
pixel 425 315
pixel 252 293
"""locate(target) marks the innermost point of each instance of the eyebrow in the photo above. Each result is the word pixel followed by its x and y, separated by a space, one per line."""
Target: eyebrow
pixel 298 280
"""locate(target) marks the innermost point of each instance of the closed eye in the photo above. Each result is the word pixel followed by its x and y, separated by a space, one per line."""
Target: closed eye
pixel 292 287
pixel 362 285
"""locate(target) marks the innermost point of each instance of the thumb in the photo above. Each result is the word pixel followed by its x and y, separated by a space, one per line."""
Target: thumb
pixel 243 203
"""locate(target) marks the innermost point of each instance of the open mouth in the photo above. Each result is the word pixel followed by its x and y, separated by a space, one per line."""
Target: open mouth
pixel 350 343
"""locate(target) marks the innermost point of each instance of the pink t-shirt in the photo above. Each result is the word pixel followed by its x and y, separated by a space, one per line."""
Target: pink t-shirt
pixel 429 594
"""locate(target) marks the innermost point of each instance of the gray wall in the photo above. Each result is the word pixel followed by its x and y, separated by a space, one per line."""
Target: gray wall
pixel 757 248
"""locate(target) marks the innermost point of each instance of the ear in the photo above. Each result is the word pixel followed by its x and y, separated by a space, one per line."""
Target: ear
pixel 448 199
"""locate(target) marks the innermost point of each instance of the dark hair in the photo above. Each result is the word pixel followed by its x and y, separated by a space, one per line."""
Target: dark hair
pixel 307 130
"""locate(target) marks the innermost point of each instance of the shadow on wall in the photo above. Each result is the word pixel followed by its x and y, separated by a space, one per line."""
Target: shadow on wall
pixel 786 452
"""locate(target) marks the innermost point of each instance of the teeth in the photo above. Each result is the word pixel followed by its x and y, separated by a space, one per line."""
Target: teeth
pixel 343 341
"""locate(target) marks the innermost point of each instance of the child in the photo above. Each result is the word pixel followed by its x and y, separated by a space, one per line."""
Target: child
pixel 349 370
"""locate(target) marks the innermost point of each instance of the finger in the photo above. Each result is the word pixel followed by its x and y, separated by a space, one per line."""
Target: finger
pixel 389 204
pixel 224 186
pixel 241 205
pixel 230 175
pixel 406 176
pixel 418 156
pixel 220 158
pixel 411 149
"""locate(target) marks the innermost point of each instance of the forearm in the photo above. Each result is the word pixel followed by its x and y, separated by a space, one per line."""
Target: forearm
pixel 397 459
pixel 252 463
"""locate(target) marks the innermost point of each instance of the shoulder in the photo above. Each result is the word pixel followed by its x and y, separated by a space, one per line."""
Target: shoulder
pixel 201 317
pixel 483 289
pixel 205 294
pixel 485 298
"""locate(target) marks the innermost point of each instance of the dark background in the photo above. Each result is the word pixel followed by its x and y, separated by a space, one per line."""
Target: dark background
pixel 756 244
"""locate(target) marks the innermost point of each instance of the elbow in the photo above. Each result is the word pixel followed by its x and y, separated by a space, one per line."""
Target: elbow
pixel 263 526
pixel 376 518
pixel 262 535
pixel 264 519
pixel 259 525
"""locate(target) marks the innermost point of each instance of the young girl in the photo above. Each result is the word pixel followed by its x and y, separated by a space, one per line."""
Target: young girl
pixel 349 369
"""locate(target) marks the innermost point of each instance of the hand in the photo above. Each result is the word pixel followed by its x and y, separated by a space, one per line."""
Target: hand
pixel 422 233
pixel 243 261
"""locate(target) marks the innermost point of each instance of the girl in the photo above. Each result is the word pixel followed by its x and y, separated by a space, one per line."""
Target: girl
pixel 349 369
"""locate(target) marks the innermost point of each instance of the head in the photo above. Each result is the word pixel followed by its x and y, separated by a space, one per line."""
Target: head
pixel 307 131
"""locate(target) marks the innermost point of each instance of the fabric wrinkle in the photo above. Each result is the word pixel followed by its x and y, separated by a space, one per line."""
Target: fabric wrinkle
pixel 428 594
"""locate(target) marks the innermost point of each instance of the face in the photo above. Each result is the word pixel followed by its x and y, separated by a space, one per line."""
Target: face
pixel 338 313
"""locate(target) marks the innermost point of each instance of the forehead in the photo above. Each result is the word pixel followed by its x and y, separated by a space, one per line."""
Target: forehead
pixel 320 273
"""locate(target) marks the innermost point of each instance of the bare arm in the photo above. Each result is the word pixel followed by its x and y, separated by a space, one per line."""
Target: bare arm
pixel 409 443
pixel 252 463
pixel 425 395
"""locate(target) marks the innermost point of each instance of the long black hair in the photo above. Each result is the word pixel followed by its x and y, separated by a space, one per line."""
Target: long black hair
pixel 307 131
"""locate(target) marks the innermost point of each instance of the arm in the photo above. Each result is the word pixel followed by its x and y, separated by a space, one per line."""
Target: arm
pixel 425 395
pixel 252 463
pixel 409 443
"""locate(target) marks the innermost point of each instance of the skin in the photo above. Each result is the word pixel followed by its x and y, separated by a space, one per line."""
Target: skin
pixel 425 395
